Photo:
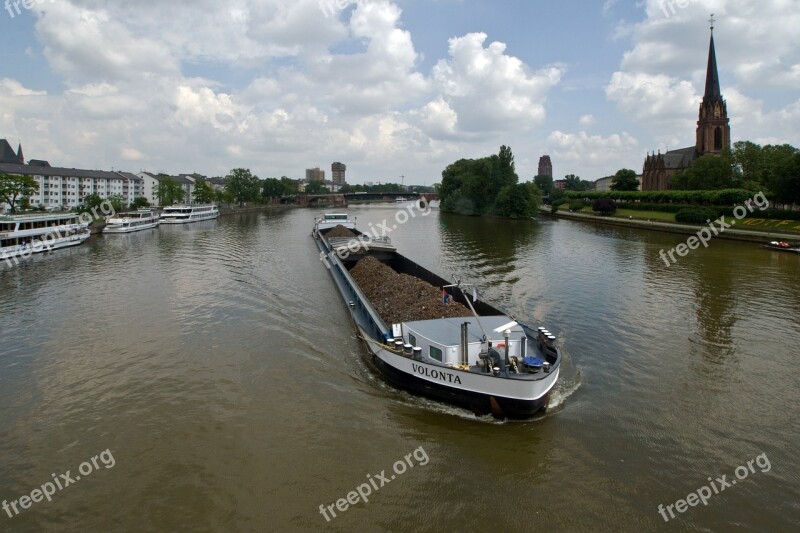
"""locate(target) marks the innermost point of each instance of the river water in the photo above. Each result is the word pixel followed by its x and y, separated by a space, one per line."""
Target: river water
pixel 215 367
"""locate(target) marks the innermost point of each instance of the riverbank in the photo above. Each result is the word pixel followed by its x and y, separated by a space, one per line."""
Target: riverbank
pixel 684 229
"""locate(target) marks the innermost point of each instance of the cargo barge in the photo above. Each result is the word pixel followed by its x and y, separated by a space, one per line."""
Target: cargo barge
pixel 488 362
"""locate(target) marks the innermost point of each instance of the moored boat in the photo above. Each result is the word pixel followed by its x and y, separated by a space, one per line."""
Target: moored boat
pixel 138 220
pixel 184 214
pixel 23 235
pixel 485 361
pixel 783 246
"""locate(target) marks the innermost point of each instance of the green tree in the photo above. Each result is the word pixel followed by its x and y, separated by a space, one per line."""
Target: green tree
pixel 117 202
pixel 748 159
pixel 13 188
pixel 290 186
pixel 90 202
pixel 787 186
pixel 710 172
pixel 168 191
pixel 243 185
pixel 545 183
pixel 272 188
pixel 625 180
pixel 316 187
pixel 472 186
pixel 575 183
pixel 139 201
pixel 223 197
pixel 203 192
pixel 518 201
pixel 777 164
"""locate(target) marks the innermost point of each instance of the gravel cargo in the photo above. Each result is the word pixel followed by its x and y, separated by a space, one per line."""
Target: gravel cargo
pixel 401 297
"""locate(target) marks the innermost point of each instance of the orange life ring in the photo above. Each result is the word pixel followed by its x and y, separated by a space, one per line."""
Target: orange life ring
pixel 500 345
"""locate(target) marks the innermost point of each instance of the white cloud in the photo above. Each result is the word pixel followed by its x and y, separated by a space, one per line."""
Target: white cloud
pixel 653 98
pixel 14 88
pixel 490 90
pixel 586 121
pixel 131 154
pixel 572 150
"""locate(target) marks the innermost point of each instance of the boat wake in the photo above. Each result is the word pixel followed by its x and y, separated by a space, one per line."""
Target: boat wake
pixel 568 383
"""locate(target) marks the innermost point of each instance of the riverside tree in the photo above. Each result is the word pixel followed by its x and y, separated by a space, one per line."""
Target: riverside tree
pixel 243 185
pixel 575 183
pixel 472 186
pixel 14 188
pixel 203 193
pixel 625 180
pixel 710 172
pixel 168 191
pixel 545 183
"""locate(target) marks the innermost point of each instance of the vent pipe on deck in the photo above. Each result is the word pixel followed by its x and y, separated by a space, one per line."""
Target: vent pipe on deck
pixel 507 337
pixel 464 343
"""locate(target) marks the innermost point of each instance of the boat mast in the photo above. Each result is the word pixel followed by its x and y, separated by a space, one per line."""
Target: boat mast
pixel 474 313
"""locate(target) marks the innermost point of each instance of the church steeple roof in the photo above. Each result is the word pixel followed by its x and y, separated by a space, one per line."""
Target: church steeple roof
pixel 713 91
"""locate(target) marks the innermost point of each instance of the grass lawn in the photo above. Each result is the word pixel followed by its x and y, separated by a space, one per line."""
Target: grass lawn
pixel 752 223
pixel 640 215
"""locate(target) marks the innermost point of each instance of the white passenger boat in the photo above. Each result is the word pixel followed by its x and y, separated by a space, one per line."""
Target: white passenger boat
pixel 24 235
pixel 133 221
pixel 488 362
pixel 184 214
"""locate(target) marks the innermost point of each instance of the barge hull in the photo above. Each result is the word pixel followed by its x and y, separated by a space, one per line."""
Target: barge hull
pixel 479 403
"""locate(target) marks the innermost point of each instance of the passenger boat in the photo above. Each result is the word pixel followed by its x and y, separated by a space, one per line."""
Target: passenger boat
pixel 490 362
pixel 23 235
pixel 184 214
pixel 138 220
pixel 783 246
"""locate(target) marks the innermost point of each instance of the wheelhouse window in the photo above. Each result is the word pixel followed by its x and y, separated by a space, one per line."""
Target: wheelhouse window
pixel 435 353
pixel 412 340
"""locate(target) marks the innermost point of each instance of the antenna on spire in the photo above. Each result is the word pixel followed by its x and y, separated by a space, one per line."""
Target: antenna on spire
pixel 712 21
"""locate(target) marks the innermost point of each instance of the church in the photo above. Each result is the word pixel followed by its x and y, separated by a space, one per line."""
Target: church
pixel 713 133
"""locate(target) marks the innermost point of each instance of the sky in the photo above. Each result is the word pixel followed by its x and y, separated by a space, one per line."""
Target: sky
pixel 396 90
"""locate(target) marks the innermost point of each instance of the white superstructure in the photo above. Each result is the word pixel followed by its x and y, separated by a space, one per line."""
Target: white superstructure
pixel 23 235
pixel 133 221
pixel 183 214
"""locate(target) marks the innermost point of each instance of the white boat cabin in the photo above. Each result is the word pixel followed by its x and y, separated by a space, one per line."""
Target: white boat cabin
pixel 331 220
pixel 440 339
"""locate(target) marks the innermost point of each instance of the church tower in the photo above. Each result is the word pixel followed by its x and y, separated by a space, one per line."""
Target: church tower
pixel 713 126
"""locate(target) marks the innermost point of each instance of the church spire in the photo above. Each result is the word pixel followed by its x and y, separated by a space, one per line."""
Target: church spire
pixel 713 91
pixel 19 155
pixel 713 125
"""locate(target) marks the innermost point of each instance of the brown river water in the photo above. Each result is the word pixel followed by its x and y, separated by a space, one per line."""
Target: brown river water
pixel 207 378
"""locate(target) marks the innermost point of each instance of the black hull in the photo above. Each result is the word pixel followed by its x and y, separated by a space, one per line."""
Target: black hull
pixel 480 404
